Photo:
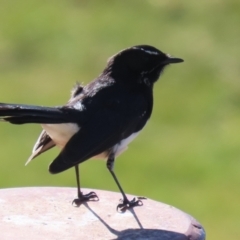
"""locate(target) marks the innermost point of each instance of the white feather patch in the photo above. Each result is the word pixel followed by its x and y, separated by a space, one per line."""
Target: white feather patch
pixel 61 133
pixel 123 145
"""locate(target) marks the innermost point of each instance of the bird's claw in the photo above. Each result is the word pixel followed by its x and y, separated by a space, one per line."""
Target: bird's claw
pixel 89 197
pixel 126 204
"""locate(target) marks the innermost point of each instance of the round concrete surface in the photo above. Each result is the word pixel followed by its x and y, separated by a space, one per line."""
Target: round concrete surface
pixel 48 213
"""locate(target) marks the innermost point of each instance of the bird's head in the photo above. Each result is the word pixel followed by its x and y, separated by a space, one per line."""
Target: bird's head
pixel 142 64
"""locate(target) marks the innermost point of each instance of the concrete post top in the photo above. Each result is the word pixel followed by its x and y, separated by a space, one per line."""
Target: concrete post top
pixel 47 213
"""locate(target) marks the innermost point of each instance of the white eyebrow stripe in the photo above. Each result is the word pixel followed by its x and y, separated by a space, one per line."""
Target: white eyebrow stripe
pixel 148 51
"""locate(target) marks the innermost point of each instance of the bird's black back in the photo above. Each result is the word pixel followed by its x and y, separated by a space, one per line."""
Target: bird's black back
pixel 115 105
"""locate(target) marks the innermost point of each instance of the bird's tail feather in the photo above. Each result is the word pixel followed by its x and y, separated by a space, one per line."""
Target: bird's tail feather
pixel 20 114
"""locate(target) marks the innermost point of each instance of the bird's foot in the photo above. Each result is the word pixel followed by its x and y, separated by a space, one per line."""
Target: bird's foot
pixel 126 204
pixel 90 197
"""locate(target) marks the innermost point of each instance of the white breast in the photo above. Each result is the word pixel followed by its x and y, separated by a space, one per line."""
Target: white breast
pixel 61 133
pixel 119 147
pixel 123 145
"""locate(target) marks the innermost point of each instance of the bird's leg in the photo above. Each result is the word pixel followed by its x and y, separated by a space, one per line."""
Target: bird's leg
pixel 92 196
pixel 125 203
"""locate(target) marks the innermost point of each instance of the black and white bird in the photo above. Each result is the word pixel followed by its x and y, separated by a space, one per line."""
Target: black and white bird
pixel 101 118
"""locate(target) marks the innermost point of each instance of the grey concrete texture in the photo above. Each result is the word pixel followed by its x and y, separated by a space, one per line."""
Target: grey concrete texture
pixel 47 213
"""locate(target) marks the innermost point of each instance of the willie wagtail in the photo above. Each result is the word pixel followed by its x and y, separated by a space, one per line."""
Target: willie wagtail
pixel 101 118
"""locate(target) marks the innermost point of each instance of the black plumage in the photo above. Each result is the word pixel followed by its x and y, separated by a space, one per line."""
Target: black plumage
pixel 101 118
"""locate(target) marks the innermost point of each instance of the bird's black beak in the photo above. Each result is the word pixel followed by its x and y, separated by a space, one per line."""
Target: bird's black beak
pixel 171 59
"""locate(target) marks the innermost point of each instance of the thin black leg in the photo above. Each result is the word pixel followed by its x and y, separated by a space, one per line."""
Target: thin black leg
pixel 78 181
pixel 125 203
pixel 92 196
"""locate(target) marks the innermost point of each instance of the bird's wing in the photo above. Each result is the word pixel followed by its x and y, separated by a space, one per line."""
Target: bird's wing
pixel 107 127
pixel 43 144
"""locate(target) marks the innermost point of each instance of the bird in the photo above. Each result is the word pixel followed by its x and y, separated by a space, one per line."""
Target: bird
pixel 101 118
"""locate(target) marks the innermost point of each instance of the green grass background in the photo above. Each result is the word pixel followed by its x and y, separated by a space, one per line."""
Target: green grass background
pixel 189 153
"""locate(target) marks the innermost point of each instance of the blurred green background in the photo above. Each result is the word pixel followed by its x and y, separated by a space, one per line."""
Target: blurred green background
pixel 189 153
